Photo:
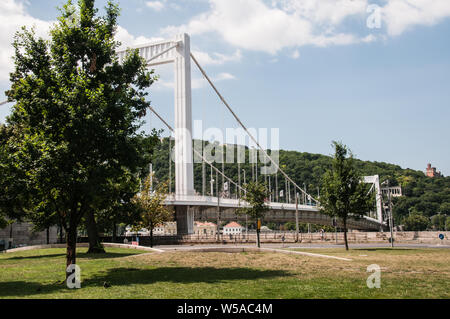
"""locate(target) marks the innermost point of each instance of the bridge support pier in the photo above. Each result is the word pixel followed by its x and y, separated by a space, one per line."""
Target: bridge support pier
pixel 185 220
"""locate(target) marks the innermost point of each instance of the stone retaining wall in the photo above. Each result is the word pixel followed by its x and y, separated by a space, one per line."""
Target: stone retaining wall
pixel 290 237
pixel 22 234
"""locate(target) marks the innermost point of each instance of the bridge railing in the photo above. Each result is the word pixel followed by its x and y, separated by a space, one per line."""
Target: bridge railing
pixel 173 199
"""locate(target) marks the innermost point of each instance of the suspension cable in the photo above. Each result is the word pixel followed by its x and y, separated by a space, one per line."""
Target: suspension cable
pixel 245 128
pixel 196 152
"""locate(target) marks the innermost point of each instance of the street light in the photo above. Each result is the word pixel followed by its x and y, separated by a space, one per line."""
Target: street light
pixel 390 214
pixel 212 186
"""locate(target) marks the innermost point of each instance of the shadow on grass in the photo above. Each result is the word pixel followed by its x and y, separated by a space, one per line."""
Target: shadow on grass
pixel 34 256
pixel 79 256
pixel 23 288
pixel 384 249
pixel 129 276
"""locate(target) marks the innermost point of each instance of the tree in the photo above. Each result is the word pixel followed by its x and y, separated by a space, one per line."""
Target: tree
pixel 76 112
pixel 344 194
pixel 255 196
pixel 445 208
pixel 447 224
pixel 13 201
pixel 153 211
pixel 289 226
pixel 118 206
pixel 438 221
pixel 118 194
pixel 416 222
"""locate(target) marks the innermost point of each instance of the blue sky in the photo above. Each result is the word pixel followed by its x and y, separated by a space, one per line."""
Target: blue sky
pixel 313 69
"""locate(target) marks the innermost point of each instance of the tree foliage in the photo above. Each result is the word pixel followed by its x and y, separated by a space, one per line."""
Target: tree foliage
pixel 151 207
pixel 76 115
pixel 416 222
pixel 344 194
pixel 438 221
pixel 256 194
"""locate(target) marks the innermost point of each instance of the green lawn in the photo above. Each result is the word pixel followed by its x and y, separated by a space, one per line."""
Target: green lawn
pixel 406 273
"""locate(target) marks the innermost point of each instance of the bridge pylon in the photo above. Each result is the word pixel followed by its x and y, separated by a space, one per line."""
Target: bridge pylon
pixel 178 52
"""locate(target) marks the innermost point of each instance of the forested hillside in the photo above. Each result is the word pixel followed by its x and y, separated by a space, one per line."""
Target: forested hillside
pixel 422 195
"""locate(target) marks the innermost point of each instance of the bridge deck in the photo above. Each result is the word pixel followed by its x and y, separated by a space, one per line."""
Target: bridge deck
pixel 205 208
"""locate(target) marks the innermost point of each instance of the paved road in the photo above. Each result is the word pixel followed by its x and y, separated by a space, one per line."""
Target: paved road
pixel 303 246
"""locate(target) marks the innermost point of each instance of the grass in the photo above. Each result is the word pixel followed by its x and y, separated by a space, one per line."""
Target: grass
pixel 406 273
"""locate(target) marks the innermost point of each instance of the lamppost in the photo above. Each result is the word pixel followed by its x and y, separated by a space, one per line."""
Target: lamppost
pixel 212 187
pixel 391 221
pixel 390 213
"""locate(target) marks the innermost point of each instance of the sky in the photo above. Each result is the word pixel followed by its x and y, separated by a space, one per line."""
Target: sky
pixel 373 74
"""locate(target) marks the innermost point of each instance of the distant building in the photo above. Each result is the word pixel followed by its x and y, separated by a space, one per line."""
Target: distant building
pixel 265 229
pixel 205 228
pixel 431 172
pixel 168 228
pixel 232 228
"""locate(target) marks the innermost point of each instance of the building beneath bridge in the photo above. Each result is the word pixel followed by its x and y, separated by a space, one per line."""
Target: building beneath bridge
pixel 233 228
pixel 170 229
pixel 205 228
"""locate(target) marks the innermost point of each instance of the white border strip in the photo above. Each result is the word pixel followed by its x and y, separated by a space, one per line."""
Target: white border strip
pixel 14 250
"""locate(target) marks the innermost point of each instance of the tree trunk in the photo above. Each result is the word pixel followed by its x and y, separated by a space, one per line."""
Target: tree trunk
pixel 61 235
pixel 114 232
pixel 151 237
pixel 257 237
pixel 95 247
pixel 71 248
pixel 345 233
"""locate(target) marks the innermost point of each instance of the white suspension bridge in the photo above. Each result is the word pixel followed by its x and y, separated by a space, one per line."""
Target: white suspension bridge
pixel 302 207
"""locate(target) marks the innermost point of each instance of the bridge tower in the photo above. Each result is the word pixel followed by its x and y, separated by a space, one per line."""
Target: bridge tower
pixel 184 169
pixel 375 181
pixel 178 52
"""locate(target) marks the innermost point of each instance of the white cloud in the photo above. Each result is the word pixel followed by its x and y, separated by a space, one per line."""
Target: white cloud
pixel 295 55
pixel 274 25
pixel 224 76
pixel 369 38
pixel 215 58
pixel 155 5
pixel 330 12
pixel 12 17
pixel 254 25
pixel 401 15
pixel 128 40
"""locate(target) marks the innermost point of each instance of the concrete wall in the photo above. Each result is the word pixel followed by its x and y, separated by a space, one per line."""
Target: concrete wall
pixel 23 235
